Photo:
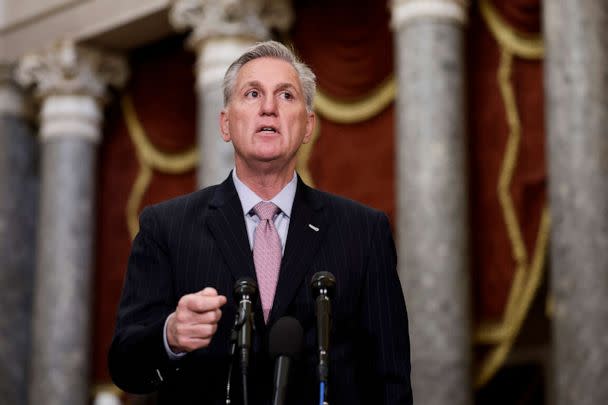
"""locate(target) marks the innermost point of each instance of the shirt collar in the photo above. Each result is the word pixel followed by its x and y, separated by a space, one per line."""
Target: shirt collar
pixel 283 200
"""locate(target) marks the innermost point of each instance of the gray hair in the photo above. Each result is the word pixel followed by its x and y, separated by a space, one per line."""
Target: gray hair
pixel 271 49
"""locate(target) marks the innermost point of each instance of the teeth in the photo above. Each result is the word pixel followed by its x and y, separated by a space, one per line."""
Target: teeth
pixel 269 129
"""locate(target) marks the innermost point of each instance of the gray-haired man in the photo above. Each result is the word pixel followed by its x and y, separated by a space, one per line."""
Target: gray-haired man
pixel 177 310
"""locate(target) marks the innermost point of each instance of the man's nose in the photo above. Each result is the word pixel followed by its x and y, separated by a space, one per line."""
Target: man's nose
pixel 269 106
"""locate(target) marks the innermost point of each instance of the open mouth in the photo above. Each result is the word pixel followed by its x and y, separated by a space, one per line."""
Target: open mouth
pixel 268 130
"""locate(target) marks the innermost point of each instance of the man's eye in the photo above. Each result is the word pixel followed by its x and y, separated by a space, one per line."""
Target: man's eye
pixel 252 93
pixel 287 95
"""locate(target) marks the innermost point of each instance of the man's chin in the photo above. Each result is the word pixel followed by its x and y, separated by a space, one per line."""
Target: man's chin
pixel 267 157
pixel 268 163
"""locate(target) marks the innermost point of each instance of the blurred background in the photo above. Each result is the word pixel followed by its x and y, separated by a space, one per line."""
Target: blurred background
pixel 479 127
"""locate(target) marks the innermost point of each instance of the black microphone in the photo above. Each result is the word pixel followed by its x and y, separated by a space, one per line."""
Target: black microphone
pixel 244 293
pixel 284 344
pixel 323 285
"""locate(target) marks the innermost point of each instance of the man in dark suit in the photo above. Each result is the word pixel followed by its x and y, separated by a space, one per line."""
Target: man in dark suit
pixel 263 222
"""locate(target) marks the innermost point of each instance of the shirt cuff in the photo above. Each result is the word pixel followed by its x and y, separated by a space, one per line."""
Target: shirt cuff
pixel 170 353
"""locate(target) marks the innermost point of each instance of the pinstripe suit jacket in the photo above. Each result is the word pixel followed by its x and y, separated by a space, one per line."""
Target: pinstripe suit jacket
pixel 200 240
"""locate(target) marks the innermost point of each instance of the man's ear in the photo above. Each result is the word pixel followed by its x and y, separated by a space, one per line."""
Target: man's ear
pixel 224 127
pixel 311 119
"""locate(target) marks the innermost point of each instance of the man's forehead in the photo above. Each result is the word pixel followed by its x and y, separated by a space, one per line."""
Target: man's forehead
pixel 276 84
pixel 268 69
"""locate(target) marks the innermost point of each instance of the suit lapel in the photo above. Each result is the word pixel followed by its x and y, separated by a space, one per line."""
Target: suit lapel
pixel 227 225
pixel 303 242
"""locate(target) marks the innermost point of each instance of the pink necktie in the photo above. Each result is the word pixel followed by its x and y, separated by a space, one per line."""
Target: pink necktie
pixel 266 253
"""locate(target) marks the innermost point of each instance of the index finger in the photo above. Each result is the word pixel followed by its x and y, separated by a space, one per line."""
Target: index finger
pixel 212 292
pixel 208 291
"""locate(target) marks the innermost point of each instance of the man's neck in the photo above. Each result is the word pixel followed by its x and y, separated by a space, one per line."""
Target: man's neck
pixel 265 183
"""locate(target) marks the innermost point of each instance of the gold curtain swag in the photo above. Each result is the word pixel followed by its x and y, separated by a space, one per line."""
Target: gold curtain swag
pixel 150 159
pixel 528 274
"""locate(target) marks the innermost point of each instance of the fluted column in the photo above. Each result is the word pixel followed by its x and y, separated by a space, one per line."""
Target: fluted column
pixel 222 31
pixel 71 85
pixel 431 190
pixel 18 212
pixel 576 89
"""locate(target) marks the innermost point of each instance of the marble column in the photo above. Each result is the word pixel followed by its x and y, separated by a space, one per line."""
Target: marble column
pixel 71 84
pixel 432 225
pixel 18 212
pixel 576 90
pixel 222 31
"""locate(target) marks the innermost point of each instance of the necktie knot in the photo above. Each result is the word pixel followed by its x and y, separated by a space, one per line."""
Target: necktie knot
pixel 266 210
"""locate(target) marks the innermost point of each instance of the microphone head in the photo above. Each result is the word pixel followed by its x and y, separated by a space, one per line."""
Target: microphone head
pixel 285 338
pixel 323 282
pixel 245 287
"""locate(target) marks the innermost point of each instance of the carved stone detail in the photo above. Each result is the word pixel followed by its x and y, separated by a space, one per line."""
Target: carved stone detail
pixel 69 69
pixel 252 19
pixel 12 100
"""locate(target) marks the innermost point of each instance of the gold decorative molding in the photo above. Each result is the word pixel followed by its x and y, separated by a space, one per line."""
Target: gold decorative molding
pixel 507 170
pixel 521 44
pixel 344 112
pixel 150 159
pixel 351 112
pixel 503 336
pixel 528 275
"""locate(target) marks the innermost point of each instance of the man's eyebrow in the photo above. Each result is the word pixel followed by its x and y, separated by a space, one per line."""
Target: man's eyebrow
pixel 252 83
pixel 278 87
pixel 283 86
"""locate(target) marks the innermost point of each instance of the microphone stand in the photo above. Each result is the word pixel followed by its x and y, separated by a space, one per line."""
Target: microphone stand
pixel 240 330
pixel 244 340
pixel 242 327
pixel 240 336
pixel 233 338
pixel 323 367
pixel 323 284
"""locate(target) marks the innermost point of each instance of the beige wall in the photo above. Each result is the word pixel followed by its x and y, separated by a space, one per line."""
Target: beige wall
pixel 13 12
pixel 29 25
